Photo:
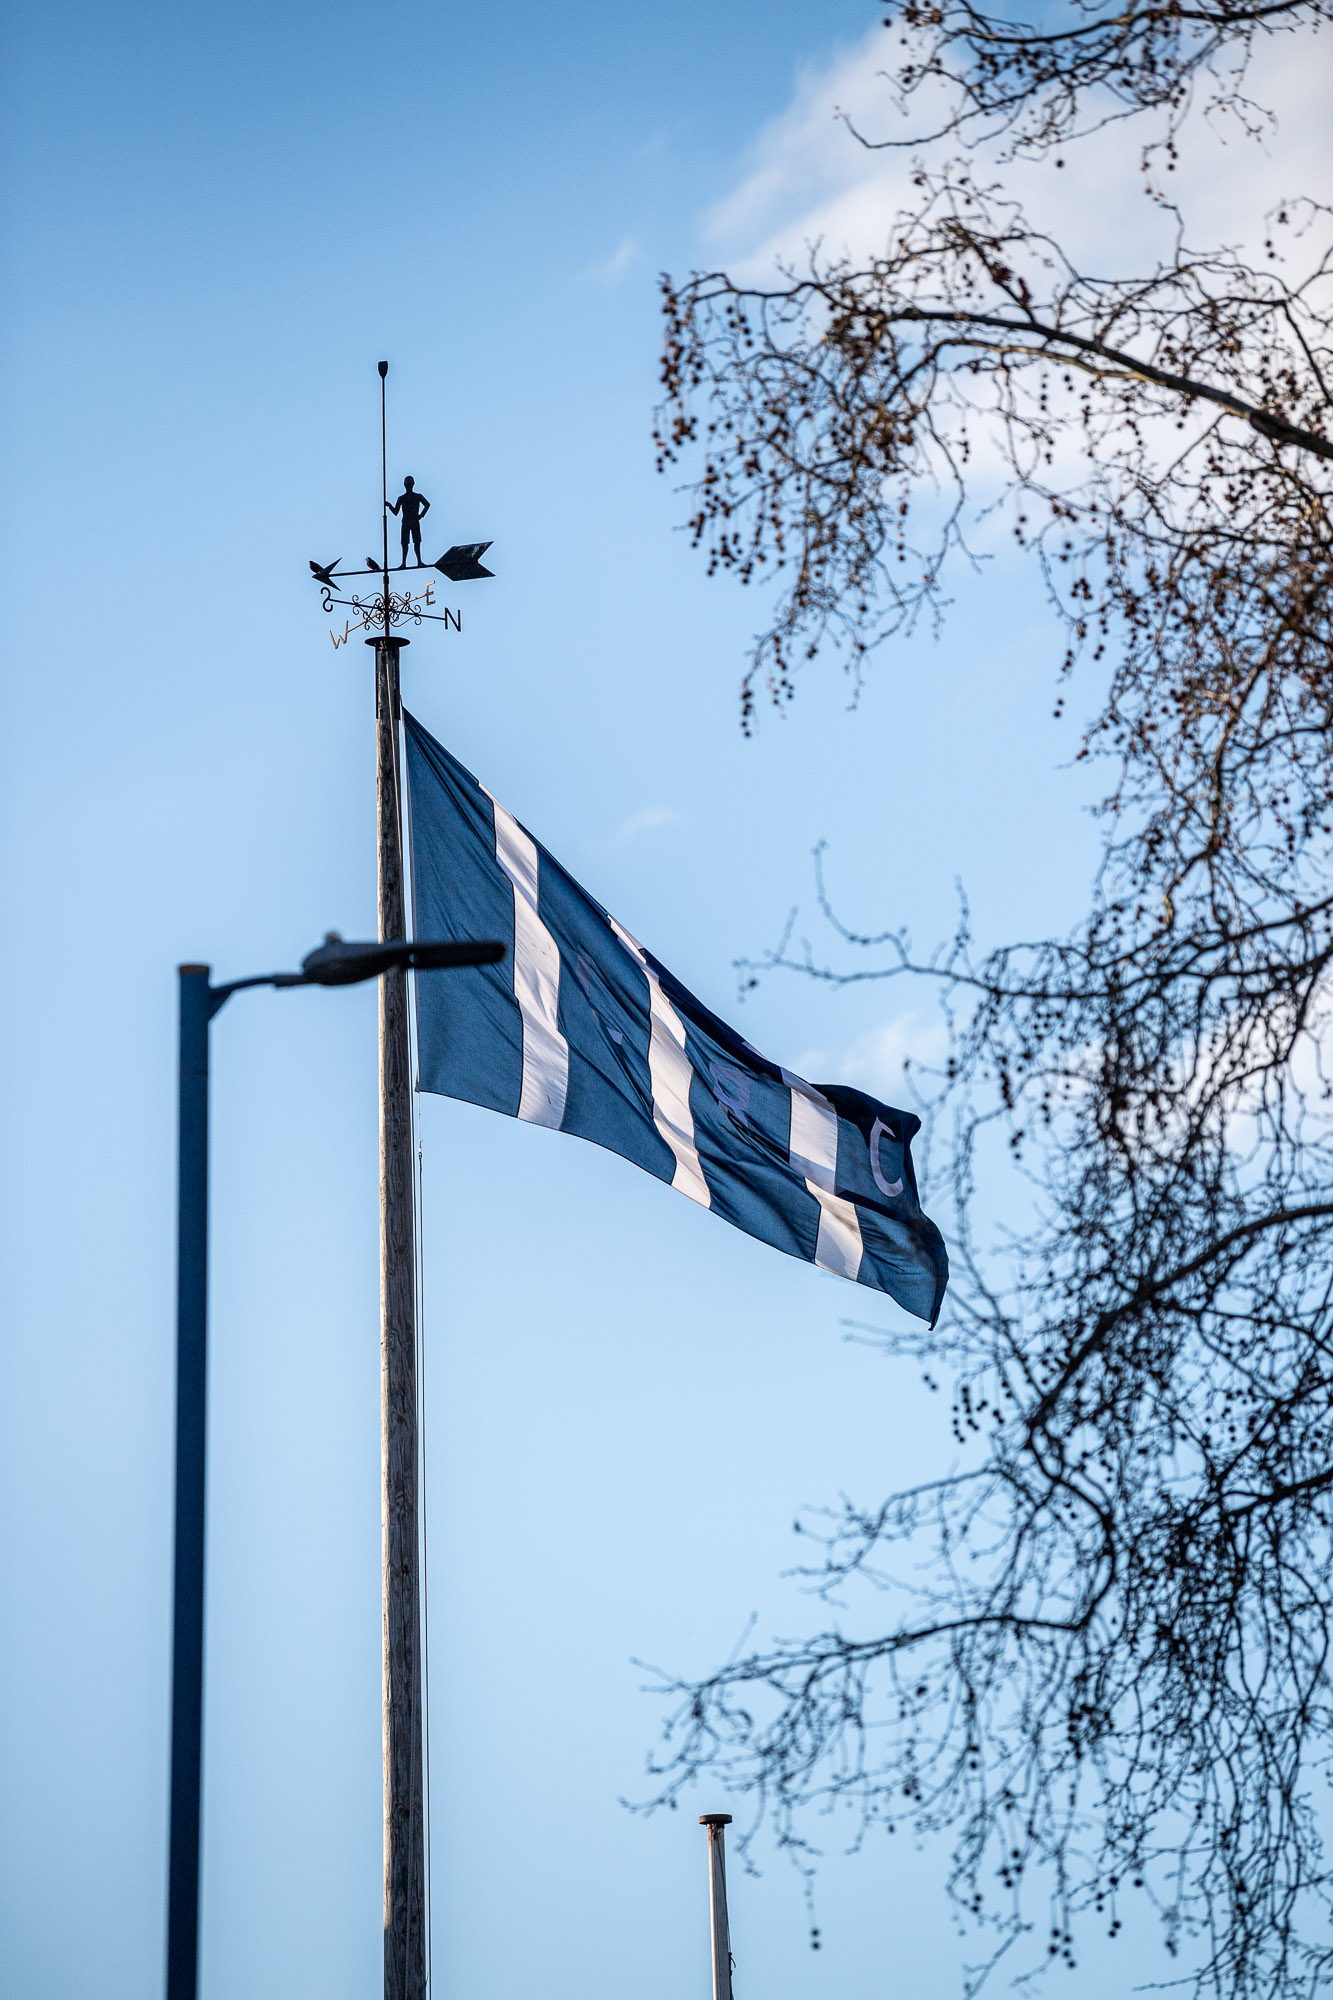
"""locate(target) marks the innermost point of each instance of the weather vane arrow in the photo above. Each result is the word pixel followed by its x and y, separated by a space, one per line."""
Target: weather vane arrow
pixel 461 564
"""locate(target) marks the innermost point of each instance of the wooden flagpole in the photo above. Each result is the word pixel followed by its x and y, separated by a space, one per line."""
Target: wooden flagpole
pixel 404 1821
pixel 404 1816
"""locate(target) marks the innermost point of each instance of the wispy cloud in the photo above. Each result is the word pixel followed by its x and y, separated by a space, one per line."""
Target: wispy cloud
pixel 613 268
pixel 876 1059
pixel 807 179
pixel 646 821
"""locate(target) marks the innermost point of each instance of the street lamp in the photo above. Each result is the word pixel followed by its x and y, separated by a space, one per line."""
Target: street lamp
pixel 334 963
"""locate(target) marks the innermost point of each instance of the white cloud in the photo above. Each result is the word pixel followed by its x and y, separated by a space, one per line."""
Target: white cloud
pixel 613 268
pixel 646 821
pixel 876 1059
pixel 807 179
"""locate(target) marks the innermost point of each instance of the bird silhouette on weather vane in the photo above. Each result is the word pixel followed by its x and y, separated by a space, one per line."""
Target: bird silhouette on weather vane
pixel 387 607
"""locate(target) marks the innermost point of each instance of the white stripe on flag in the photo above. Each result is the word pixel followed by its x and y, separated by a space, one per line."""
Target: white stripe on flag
pixel 813 1151
pixel 536 979
pixel 669 1074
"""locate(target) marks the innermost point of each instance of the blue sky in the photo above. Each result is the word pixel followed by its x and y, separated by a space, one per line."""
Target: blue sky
pixel 219 218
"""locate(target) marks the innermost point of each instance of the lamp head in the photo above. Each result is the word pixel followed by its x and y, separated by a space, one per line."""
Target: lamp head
pixel 336 963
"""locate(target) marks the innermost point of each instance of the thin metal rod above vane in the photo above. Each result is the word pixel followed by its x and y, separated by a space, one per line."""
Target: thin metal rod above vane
pixel 384 490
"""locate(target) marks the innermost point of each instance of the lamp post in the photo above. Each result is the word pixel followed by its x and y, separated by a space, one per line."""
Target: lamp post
pixel 334 963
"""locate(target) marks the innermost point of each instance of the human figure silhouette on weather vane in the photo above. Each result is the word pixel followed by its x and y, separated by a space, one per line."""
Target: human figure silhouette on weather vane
pixel 412 508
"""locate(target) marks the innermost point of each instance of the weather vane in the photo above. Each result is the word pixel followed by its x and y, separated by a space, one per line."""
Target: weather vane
pixel 383 609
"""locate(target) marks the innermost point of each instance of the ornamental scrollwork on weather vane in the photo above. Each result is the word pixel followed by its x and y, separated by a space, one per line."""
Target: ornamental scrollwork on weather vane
pixel 370 612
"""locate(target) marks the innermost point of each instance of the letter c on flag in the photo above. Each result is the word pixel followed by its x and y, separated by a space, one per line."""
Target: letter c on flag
pixel 891 1188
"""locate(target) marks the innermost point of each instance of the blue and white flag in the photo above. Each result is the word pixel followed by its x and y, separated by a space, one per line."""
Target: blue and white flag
pixel 581 1029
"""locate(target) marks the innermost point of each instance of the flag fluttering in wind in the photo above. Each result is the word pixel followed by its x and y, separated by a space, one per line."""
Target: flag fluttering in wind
pixel 580 1028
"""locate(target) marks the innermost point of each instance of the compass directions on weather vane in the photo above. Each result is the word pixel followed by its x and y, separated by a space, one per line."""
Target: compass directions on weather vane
pixel 370 612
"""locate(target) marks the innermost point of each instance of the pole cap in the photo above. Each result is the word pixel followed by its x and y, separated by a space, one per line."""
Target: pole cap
pixel 196 969
pixel 715 1819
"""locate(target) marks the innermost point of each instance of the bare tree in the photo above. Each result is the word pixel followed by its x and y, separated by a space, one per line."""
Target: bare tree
pixel 1102 1657
pixel 1042 84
